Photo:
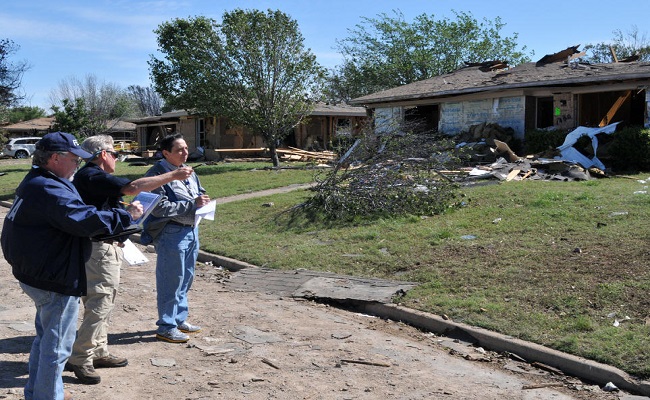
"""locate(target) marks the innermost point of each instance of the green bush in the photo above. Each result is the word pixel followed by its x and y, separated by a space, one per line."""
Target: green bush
pixel 539 141
pixel 629 150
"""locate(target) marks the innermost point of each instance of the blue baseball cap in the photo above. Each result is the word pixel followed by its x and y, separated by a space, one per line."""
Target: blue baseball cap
pixel 61 141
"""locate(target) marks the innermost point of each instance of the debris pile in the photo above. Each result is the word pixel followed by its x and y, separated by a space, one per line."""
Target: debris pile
pixel 540 169
pixel 294 154
pixel 486 140
pixel 490 147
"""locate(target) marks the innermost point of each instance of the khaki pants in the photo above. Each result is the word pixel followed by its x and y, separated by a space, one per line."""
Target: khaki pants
pixel 103 275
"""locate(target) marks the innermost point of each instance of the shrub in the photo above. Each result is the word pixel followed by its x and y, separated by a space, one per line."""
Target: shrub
pixel 390 175
pixel 539 141
pixel 628 150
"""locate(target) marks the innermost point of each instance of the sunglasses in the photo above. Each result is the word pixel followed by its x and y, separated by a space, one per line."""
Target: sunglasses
pixel 115 154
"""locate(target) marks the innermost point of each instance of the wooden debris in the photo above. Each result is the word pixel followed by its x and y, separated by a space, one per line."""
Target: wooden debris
pixel 512 174
pixel 270 363
pixel 546 368
pixel 294 154
pixel 375 363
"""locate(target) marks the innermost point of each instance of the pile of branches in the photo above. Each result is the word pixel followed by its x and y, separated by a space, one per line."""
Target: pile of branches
pixel 388 175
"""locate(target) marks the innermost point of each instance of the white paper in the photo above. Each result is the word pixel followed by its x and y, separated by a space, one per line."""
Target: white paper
pixel 132 254
pixel 207 212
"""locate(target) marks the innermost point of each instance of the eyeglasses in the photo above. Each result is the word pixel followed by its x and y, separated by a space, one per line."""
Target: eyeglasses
pixel 115 154
pixel 76 160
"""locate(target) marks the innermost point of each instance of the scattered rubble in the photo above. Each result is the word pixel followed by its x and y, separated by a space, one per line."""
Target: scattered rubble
pixel 540 169
pixel 491 147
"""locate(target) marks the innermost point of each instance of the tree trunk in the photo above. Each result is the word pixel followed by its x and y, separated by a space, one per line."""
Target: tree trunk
pixel 274 155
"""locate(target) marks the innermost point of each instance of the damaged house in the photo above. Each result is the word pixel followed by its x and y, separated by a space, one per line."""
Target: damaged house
pixel 556 92
pixel 215 137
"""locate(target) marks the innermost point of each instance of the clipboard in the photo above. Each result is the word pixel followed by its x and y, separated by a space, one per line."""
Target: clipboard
pixel 149 201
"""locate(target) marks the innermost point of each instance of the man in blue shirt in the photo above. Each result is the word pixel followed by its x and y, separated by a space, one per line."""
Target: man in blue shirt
pixel 172 230
pixel 45 239
pixel 97 186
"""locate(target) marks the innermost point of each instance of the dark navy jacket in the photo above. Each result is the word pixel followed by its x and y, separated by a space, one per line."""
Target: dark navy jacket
pixel 99 188
pixel 45 236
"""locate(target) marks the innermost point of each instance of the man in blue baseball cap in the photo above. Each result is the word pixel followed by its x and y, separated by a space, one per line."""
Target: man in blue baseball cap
pixel 46 240
pixel 61 141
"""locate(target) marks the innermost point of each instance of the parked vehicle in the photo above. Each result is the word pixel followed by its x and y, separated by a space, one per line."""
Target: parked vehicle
pixel 20 147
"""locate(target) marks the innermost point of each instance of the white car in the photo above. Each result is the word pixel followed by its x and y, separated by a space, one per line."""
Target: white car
pixel 20 147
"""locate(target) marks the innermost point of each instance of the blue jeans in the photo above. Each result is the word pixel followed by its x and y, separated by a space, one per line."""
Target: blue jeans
pixel 177 248
pixel 56 324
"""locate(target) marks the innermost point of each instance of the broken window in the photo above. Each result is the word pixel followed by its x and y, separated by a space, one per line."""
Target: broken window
pixel 426 116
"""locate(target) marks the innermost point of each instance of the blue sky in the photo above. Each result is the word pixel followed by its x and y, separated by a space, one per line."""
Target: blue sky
pixel 113 39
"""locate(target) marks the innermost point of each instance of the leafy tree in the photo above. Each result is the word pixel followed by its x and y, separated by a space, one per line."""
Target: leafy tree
pixel 193 61
pixel 146 99
pixel 18 114
pixel 74 118
pixel 252 69
pixel 387 51
pixel 624 45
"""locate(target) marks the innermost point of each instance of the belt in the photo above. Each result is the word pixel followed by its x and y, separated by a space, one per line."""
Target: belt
pixel 180 224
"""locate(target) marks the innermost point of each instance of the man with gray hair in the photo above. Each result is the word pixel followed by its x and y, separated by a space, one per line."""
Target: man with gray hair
pixel 97 186
pixel 45 239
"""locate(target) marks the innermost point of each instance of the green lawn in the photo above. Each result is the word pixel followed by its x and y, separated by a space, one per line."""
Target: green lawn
pixel 554 263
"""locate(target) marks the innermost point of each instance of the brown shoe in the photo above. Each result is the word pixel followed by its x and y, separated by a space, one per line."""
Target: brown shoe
pixel 86 374
pixel 110 361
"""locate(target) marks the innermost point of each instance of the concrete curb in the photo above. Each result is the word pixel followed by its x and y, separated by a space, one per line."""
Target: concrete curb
pixel 571 365
pixel 229 263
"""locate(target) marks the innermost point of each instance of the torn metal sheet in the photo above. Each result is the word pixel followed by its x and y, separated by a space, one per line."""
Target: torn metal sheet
pixel 571 154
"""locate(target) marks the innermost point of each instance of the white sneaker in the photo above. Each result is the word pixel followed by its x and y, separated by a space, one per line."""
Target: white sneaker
pixel 173 336
pixel 189 328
